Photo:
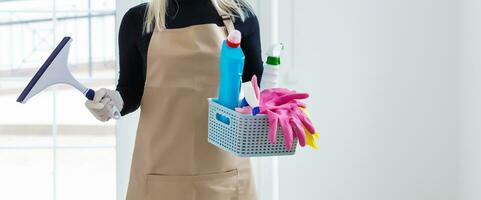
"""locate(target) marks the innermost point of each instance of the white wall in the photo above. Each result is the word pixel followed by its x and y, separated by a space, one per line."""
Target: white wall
pixel 469 99
pixel 383 79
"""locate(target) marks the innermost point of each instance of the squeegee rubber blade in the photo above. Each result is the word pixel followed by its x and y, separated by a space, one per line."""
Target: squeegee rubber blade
pixel 42 69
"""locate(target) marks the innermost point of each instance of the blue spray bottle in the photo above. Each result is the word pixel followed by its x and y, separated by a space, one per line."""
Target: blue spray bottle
pixel 231 68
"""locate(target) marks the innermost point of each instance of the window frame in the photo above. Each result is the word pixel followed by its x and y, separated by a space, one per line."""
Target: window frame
pixel 54 146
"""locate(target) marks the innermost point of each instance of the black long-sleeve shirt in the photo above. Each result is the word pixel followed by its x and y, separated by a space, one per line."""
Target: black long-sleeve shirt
pixel 134 43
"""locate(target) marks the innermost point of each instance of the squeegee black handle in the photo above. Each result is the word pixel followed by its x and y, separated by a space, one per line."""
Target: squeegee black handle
pixel 90 94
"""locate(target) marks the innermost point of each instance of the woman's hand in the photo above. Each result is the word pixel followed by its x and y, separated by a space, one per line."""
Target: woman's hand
pixel 102 104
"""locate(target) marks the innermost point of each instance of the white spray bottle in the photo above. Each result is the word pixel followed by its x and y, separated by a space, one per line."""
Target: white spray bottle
pixel 270 75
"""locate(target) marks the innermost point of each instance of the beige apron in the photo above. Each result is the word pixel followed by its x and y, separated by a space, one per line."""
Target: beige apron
pixel 172 158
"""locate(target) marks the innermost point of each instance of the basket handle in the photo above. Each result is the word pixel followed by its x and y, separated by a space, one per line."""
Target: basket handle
pixel 224 120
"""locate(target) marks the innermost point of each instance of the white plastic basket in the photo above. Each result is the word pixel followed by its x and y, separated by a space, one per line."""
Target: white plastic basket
pixel 244 135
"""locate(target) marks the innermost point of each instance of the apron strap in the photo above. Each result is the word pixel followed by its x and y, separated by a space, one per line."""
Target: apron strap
pixel 226 18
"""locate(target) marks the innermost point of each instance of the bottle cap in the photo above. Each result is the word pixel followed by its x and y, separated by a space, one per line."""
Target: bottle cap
pixel 272 60
pixel 234 39
pixel 275 54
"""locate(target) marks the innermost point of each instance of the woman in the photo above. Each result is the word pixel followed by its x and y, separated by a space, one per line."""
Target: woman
pixel 169 66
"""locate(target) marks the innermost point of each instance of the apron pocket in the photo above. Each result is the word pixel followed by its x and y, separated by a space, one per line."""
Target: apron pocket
pixel 216 186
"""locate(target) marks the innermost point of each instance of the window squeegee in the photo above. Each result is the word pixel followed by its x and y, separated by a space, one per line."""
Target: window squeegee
pixel 55 71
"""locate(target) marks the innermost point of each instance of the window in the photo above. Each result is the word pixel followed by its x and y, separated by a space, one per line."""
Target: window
pixel 51 147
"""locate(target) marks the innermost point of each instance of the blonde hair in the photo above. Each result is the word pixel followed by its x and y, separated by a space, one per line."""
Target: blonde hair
pixel 155 16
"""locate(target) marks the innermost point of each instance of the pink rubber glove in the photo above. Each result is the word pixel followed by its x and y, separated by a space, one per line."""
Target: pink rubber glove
pixel 282 107
pixel 255 86
pixel 244 110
